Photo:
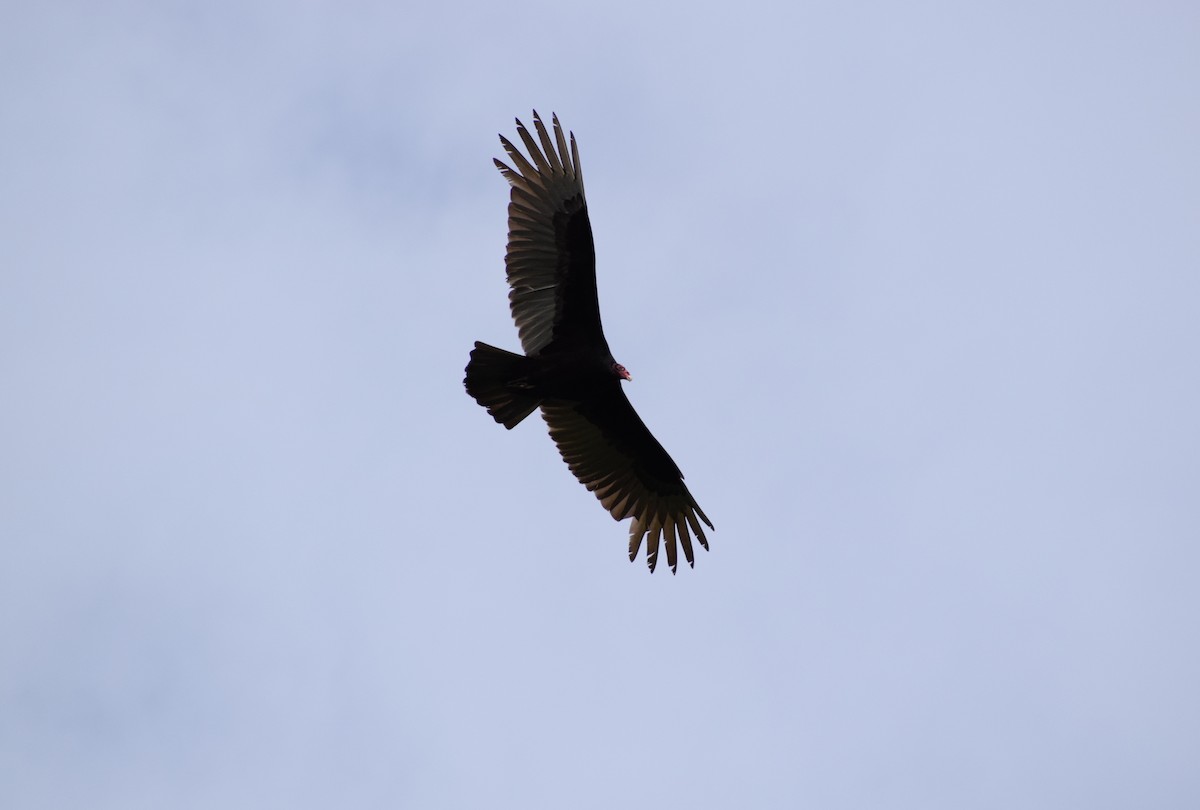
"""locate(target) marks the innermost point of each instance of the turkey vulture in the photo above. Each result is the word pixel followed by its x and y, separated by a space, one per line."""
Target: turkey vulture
pixel 567 369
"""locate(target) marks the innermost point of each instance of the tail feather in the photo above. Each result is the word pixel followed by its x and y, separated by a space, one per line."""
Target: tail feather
pixel 495 378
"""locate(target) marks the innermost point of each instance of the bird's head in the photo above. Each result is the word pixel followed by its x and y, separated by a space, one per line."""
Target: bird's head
pixel 619 371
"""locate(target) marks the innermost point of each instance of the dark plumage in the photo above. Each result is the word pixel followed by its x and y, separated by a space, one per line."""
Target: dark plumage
pixel 567 369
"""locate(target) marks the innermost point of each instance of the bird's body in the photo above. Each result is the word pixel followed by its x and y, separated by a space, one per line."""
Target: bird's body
pixel 567 369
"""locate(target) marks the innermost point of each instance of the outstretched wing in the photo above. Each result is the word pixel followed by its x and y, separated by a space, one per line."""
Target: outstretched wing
pixel 613 454
pixel 551 259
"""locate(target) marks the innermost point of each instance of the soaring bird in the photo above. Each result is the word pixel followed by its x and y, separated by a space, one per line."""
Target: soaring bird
pixel 568 370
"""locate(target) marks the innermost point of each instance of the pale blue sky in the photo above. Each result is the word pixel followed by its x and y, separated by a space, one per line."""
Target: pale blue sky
pixel 910 291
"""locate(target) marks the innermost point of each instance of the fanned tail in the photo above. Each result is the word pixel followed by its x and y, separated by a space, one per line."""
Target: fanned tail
pixel 496 379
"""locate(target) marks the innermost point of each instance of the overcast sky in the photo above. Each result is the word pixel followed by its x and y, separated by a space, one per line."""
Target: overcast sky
pixel 910 291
